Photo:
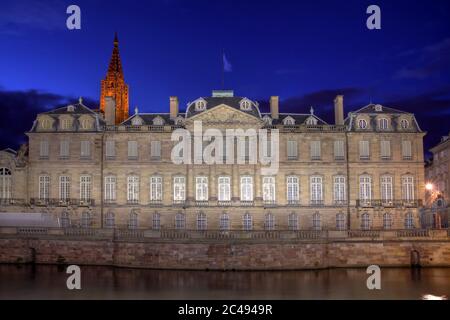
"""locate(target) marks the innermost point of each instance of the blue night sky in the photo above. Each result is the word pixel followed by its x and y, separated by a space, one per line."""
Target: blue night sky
pixel 304 51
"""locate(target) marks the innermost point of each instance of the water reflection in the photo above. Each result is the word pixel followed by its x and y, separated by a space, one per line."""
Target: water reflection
pixel 49 282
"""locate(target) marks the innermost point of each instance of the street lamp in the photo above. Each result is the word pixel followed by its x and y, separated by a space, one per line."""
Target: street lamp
pixel 429 186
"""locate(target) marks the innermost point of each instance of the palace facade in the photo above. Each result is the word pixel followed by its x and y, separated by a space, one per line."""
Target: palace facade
pixel 103 169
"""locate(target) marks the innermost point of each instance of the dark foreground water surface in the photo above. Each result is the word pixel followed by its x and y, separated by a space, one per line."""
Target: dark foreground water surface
pixel 49 282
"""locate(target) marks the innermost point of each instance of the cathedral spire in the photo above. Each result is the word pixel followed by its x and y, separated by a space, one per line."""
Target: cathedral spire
pixel 113 85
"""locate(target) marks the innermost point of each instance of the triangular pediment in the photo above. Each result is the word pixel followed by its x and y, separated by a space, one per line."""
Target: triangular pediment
pixel 225 115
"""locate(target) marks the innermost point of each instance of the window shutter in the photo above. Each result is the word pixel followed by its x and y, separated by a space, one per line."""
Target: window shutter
pixel 85 149
pixel 155 149
pixel 132 149
pixel 292 149
pixel 385 149
pixel 364 149
pixel 43 152
pixel 406 149
pixel 339 149
pixel 110 148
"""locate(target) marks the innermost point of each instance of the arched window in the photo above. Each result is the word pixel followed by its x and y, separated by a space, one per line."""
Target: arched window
pixel 110 220
pixel 180 221
pixel 224 222
pixel 340 221
pixel 158 121
pixel 362 124
pixel 293 221
pixel 267 120
pixel 85 220
pixel 247 222
pixel 200 105
pixel 133 222
pixel 288 121
pixel 65 220
pixel 365 221
pixel 408 188
pixel 156 221
pixel 404 124
pixel 137 121
pixel 311 121
pixel 269 223
pixel 316 224
pixel 5 184
pixel 383 124
pixel 409 221
pixel 201 221
pixel 85 124
pixel 387 221
pixel 365 189
pixel 245 105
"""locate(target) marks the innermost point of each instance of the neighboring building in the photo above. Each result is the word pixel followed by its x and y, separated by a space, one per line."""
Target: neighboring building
pixel 437 173
pixel 364 172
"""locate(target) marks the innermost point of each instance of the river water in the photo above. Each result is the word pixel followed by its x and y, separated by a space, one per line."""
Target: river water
pixel 49 282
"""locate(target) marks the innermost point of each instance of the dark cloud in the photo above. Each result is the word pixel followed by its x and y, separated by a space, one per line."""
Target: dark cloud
pixel 431 60
pixel 19 110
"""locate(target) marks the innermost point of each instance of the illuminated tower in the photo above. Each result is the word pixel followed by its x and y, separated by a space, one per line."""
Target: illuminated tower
pixel 114 85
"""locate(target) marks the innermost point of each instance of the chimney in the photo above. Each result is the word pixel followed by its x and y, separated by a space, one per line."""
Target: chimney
pixel 339 110
pixel 173 107
pixel 274 107
pixel 110 111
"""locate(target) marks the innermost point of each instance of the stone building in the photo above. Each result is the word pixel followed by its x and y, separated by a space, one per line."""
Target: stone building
pixel 437 173
pixel 362 172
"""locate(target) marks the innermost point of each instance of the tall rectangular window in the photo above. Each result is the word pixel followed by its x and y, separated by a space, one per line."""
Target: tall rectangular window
pixel 406 150
pixel 179 188
pixel 110 188
pixel 247 188
pixel 133 189
pixel 408 188
pixel 43 149
pixel 339 150
pixel 269 189
pixel 85 149
pixel 155 150
pixel 385 146
pixel 44 187
pixel 339 189
pixel 365 189
pixel 293 195
pixel 132 150
pixel 85 188
pixel 315 150
pixel 110 148
pixel 316 190
pixel 201 188
pixel 64 188
pixel 156 188
pixel 386 189
pixel 292 152
pixel 64 149
pixel 224 189
pixel 364 152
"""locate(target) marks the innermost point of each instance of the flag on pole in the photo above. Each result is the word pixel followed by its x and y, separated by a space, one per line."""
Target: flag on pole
pixel 226 64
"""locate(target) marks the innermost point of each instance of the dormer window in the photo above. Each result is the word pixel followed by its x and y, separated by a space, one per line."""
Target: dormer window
pixel 378 108
pixel 383 124
pixel 311 121
pixel 66 124
pixel 362 124
pixel 85 124
pixel 178 121
pixel 70 108
pixel 45 123
pixel 246 105
pixel 267 120
pixel 136 121
pixel 404 124
pixel 200 105
pixel 289 121
pixel 158 121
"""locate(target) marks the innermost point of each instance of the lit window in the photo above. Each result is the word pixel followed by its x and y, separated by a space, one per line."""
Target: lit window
pixel 316 190
pixel 246 189
pixel 155 188
pixel 365 189
pixel 133 189
pixel 110 189
pixel 247 222
pixel 44 187
pixel 224 189
pixel 269 189
pixel 179 188
pixel 292 190
pixel 339 190
pixel 408 188
pixel 201 188
pixel 201 221
pixel 386 189
pixel 64 188
pixel 5 183
pixel 85 188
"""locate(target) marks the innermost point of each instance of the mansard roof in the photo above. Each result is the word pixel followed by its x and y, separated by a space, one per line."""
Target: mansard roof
pixel 233 102
pixel 147 118
pixel 372 108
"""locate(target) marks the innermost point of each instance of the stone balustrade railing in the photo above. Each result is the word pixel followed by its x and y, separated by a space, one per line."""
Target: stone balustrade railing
pixel 219 235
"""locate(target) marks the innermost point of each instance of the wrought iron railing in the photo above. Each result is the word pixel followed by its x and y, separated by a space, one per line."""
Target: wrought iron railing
pixel 388 203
